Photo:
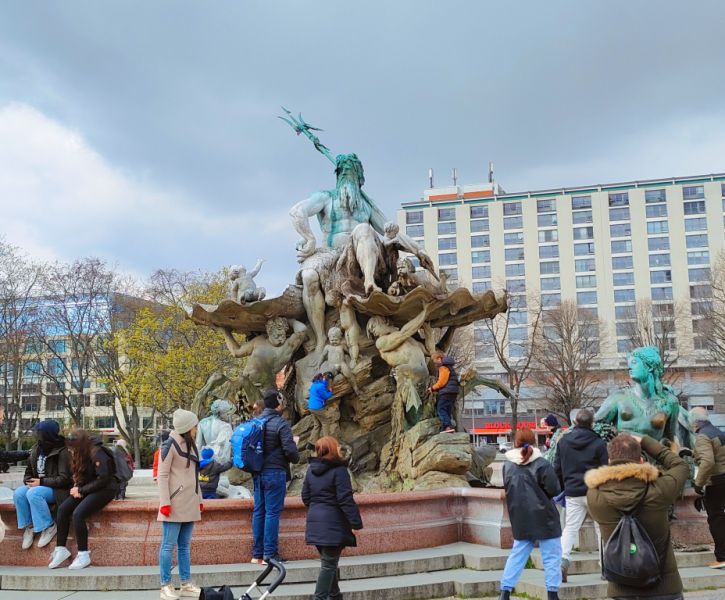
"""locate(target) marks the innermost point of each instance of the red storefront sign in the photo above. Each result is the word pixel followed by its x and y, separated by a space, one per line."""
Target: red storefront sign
pixel 503 427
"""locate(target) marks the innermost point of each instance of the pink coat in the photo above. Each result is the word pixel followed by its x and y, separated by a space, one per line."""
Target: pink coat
pixel 179 483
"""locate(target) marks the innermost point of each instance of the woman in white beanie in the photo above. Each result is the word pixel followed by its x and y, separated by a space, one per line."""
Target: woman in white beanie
pixel 180 503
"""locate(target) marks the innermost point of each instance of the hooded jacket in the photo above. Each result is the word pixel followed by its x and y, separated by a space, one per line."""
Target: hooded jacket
pixel 618 488
pixel 447 384
pixel 530 487
pixel 210 472
pixel 57 473
pixel 319 394
pixel 332 513
pixel 709 455
pixel 279 446
pixel 577 452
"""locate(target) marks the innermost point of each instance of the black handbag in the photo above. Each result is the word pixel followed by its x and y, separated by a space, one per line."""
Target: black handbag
pixel 212 593
pixel 629 557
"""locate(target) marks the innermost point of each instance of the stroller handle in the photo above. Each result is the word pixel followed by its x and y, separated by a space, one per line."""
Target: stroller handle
pixel 272 564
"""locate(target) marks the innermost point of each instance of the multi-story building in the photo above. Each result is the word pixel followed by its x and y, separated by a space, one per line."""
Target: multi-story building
pixel 604 246
pixel 49 377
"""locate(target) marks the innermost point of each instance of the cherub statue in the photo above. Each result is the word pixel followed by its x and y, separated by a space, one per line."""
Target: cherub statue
pixel 406 280
pixel 242 288
pixel 348 322
pixel 395 240
pixel 337 357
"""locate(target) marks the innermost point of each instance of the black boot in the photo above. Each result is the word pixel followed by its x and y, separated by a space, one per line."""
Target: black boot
pixel 552 595
pixel 505 595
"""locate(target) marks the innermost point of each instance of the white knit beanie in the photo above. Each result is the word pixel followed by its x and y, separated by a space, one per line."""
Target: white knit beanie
pixel 184 420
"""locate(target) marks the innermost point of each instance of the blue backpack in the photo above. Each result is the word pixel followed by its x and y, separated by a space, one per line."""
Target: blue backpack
pixel 248 445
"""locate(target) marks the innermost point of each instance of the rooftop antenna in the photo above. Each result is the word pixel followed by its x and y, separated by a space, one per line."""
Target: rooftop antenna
pixel 490 171
pixel 430 178
pixel 455 176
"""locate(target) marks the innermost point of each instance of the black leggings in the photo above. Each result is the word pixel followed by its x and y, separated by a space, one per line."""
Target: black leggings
pixel 327 587
pixel 79 510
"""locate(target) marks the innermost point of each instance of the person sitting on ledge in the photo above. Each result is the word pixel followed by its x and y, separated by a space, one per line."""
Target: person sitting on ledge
pixel 47 482
pixel 94 487
pixel 209 473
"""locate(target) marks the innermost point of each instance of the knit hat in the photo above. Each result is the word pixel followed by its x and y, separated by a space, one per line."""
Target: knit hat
pixel 184 421
pixel 207 456
pixel 551 421
pixel 272 398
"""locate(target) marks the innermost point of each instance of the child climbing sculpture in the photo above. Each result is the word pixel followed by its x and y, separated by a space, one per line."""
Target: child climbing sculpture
pixel 337 357
pixel 243 289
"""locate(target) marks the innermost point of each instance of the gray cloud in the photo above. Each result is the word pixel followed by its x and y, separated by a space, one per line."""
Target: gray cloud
pixel 183 98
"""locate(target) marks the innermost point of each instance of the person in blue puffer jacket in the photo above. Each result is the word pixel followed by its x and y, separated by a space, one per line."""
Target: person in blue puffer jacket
pixel 447 388
pixel 320 393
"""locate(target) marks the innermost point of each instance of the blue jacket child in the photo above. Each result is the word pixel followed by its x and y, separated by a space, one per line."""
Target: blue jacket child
pixel 320 391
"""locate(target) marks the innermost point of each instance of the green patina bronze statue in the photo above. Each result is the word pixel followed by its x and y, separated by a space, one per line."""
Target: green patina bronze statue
pixel 648 406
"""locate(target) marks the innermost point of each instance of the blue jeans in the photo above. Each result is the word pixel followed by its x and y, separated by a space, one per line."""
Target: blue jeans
pixel 32 506
pixel 444 407
pixel 175 534
pixel 550 554
pixel 269 490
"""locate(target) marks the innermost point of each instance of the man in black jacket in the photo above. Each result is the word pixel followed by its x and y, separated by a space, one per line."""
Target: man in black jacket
pixel 270 486
pixel 578 451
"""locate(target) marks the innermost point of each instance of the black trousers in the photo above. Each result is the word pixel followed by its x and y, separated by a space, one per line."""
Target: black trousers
pixel 79 510
pixel 715 507
pixel 328 587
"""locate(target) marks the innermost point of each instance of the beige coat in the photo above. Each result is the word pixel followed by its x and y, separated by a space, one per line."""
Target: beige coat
pixel 179 484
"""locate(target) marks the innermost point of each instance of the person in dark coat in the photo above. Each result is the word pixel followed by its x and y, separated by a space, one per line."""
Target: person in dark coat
pixel 95 485
pixel 580 450
pixel 333 518
pixel 209 472
pixel 447 387
pixel 270 486
pixel 531 483
pixel 47 482
pixel 620 487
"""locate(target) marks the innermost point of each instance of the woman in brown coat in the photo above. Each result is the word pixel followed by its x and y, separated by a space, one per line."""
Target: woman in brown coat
pixel 180 503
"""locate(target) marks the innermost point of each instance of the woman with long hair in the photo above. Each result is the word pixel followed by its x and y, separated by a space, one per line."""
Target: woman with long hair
pixel 333 518
pixel 47 483
pixel 531 483
pixel 180 503
pixel 94 486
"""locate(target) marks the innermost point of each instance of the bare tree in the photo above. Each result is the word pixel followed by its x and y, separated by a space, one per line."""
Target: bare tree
pixel 19 284
pixel 74 316
pixel 514 346
pixel 564 356
pixel 711 328
pixel 654 324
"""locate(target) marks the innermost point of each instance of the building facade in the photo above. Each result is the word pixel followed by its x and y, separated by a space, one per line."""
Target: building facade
pixel 605 246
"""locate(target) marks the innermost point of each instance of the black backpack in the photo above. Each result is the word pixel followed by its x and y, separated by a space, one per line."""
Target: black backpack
pixel 629 556
pixel 212 593
pixel 121 471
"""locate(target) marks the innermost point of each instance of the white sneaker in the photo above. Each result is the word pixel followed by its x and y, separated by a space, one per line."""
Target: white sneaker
pixel 82 560
pixel 59 556
pixel 189 590
pixel 169 593
pixel 28 537
pixel 47 535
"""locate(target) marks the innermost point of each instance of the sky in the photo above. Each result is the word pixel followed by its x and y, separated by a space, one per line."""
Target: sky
pixel 145 133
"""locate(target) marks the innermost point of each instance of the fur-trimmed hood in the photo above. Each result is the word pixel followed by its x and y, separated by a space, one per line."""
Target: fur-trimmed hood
pixel 645 472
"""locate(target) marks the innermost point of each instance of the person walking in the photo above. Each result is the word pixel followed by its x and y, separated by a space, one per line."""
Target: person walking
pixel 157 453
pixel 180 503
pixel 122 447
pixel 625 483
pixel 530 483
pixel 710 479
pixel 270 486
pixel 578 451
pixel 94 487
pixel 447 387
pixel 320 392
pixel 333 518
pixel 47 483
